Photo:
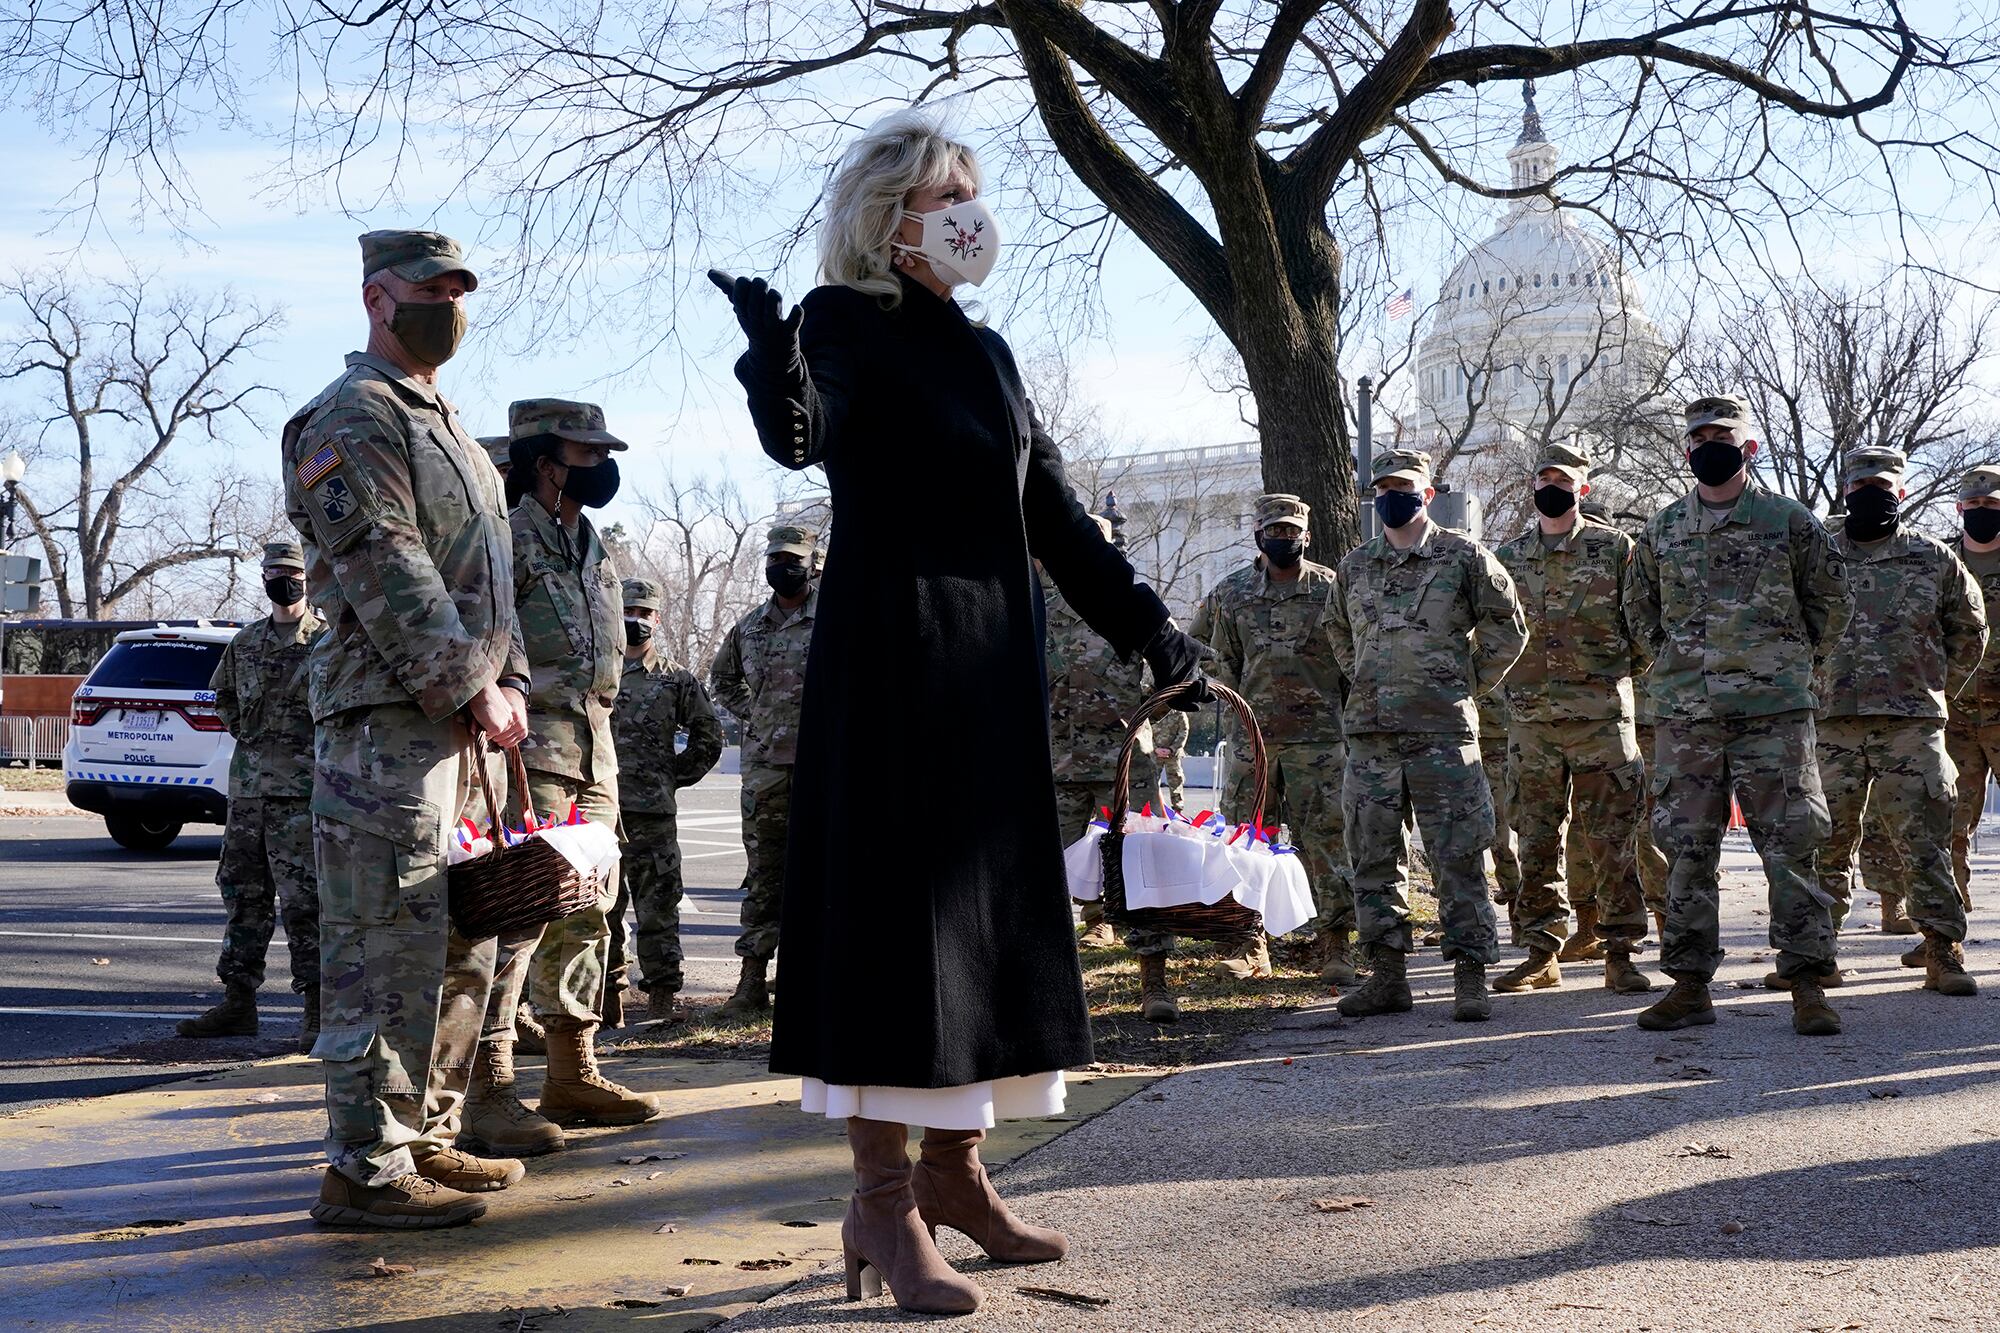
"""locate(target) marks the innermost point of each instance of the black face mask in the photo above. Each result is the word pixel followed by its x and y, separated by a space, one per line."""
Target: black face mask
pixel 592 487
pixel 1715 461
pixel 285 591
pixel 1872 513
pixel 1553 501
pixel 1395 508
pixel 1982 525
pixel 638 632
pixel 786 580
pixel 1284 552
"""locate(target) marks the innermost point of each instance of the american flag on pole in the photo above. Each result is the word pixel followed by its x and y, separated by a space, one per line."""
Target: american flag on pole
pixel 1402 303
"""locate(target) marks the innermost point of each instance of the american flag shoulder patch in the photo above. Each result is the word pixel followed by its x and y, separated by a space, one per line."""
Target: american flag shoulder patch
pixel 321 463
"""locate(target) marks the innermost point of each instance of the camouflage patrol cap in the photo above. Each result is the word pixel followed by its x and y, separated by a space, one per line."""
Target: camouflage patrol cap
pixel 496 447
pixel 414 256
pixel 566 420
pixel 1282 508
pixel 1719 409
pixel 1982 480
pixel 790 539
pixel 284 555
pixel 1413 465
pixel 1568 459
pixel 1867 464
pixel 641 595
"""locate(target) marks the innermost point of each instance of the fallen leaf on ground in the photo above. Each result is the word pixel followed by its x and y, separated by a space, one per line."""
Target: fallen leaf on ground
pixel 801 1223
pixel 1879 1093
pixel 1732 1228
pixel 575 1198
pixel 1341 1205
pixel 701 1263
pixel 269 1097
pixel 1067 1297
pixel 651 1157
pixel 763 1265
pixel 634 1303
pixel 100 962
pixel 675 1291
pixel 1692 1071
pixel 621 1181
pixel 1748 985
pixel 381 1267
pixel 1705 1150
pixel 665 1229
pixel 654 1175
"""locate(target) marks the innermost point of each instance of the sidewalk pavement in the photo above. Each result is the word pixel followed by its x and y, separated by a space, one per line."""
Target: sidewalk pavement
pixel 1554 1169
pixel 184 1206
pixel 42 804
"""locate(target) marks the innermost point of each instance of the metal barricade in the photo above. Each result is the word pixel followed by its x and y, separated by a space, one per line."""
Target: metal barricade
pixel 33 740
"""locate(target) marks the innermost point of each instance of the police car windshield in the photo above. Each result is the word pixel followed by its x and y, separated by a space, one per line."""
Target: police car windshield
pixel 162 664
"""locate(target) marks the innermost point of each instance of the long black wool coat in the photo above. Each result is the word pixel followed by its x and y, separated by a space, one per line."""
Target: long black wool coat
pixel 926 938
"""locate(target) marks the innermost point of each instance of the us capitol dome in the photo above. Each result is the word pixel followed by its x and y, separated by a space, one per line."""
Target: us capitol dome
pixel 1538 333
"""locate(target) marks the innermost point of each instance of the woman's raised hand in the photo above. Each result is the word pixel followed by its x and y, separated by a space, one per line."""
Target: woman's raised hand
pixel 758 306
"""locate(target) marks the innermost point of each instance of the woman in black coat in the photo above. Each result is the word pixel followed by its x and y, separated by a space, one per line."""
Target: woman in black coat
pixel 929 961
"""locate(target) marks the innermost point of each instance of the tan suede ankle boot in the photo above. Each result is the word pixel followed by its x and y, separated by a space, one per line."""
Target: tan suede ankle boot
pixel 883 1237
pixel 952 1190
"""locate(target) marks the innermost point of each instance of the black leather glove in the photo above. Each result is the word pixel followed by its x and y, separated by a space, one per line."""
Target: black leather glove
pixel 1176 660
pixel 758 306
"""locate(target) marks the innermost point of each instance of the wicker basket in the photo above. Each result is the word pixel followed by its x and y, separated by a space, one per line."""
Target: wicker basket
pixel 1223 919
pixel 517 888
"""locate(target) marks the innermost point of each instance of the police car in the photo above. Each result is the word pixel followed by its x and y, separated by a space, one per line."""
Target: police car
pixel 147 749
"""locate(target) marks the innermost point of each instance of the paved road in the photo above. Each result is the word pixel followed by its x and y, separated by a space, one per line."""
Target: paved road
pixel 71 1026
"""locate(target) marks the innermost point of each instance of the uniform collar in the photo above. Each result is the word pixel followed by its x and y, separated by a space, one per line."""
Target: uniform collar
pixel 1311 576
pixel 1899 543
pixel 778 615
pixel 298 631
pixel 548 530
pixel 426 394
pixel 1537 549
pixel 1695 510
pixel 1427 546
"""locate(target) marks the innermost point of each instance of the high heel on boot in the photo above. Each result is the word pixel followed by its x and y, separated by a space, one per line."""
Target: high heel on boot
pixel 883 1237
pixel 952 1190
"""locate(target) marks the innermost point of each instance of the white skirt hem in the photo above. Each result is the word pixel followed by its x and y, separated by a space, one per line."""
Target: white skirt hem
pixel 967 1106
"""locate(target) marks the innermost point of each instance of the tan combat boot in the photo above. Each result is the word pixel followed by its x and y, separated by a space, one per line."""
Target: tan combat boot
pixel 1812 1016
pixel 1586 946
pixel 410 1203
pixel 235 1016
pixel 1250 963
pixel 1944 966
pixel 496 1119
pixel 1687 1005
pixel 574 1092
pixel 1469 1001
pixel 1619 973
pixel 458 1170
pixel 1895 920
pixel 530 1037
pixel 1538 971
pixel 1156 1002
pixel 1831 981
pixel 1343 964
pixel 1097 931
pixel 1387 990
pixel 752 1001
pixel 1918 955
pixel 309 1021
pixel 664 1007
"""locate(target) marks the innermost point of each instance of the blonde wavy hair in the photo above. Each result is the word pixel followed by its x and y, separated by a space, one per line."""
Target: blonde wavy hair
pixel 904 151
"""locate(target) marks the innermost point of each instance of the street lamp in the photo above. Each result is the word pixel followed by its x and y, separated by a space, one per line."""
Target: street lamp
pixel 12 469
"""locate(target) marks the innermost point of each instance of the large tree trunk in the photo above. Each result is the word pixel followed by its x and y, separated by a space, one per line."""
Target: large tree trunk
pixel 1303 427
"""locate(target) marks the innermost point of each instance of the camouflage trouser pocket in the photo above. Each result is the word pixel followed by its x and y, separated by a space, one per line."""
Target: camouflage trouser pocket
pixel 378 853
pixel 1805 822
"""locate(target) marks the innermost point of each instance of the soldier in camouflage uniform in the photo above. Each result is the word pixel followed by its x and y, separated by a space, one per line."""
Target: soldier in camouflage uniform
pixel 1425 621
pixel 1092 692
pixel 1972 735
pixel 1170 738
pixel 266 865
pixel 572 617
pixel 1738 597
pixel 658 699
pixel 1570 697
pixel 759 675
pixel 1918 632
pixel 1267 625
pixel 407 556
